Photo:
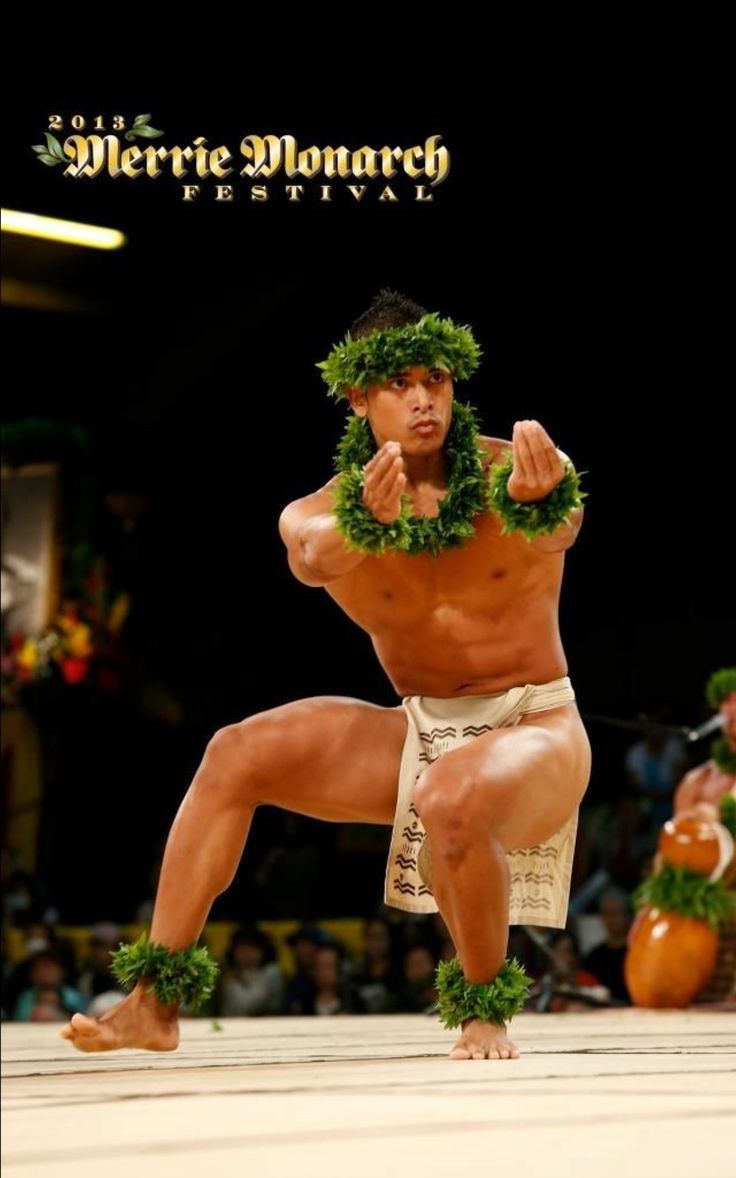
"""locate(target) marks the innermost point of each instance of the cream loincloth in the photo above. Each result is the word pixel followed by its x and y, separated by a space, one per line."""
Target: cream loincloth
pixel 539 875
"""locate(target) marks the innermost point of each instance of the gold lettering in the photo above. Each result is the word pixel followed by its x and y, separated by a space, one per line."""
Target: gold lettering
pixel 388 194
pixel 133 162
pixel 223 192
pixel 357 190
pixel 190 191
pixel 364 163
pixel 259 192
pixel 87 154
pixel 219 156
pixel 326 190
pixel 310 162
pixel 263 156
pixel 295 191
pixel 265 153
pixel 438 160
pixel 410 167
pixel 388 155
pixel 336 162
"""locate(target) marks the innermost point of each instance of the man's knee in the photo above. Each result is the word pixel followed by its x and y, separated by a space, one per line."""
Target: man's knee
pixel 236 756
pixel 453 807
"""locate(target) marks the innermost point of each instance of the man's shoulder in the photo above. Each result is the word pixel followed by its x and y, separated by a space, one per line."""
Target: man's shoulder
pixel 315 503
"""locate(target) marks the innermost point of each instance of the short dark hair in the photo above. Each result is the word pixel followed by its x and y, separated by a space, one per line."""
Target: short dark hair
pixel 388 309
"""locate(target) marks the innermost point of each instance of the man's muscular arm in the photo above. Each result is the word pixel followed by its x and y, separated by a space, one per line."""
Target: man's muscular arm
pixel 317 552
pixel 315 549
pixel 538 468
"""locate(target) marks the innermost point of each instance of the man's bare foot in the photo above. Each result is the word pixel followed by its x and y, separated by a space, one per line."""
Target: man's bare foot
pixel 484 1041
pixel 140 1020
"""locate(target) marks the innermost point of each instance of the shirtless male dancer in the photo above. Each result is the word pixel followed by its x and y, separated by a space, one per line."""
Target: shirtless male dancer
pixel 463 619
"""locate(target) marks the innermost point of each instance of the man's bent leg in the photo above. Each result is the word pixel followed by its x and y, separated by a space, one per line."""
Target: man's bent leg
pixel 329 757
pixel 510 788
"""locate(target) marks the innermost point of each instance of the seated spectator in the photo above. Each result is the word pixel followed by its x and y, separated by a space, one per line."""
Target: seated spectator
pixel 304 944
pixel 331 992
pixel 377 977
pixel 97 977
pixel 252 981
pixel 38 935
pixel 46 975
pixel 417 993
pixel 606 961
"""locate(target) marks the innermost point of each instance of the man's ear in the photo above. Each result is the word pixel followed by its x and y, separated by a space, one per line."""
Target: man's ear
pixel 358 401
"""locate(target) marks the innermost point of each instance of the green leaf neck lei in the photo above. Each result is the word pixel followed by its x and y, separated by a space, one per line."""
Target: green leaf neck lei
pixel 723 755
pixel 467 492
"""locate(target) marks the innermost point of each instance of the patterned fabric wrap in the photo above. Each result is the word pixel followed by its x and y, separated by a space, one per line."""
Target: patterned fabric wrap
pixel 539 875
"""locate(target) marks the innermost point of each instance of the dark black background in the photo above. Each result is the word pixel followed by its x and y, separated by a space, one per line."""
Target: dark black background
pixel 573 233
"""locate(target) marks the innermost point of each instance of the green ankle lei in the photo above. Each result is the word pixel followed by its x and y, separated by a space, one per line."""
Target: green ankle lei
pixel 492 1002
pixel 186 976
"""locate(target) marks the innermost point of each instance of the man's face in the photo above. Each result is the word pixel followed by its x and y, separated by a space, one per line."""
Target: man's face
pixel 413 407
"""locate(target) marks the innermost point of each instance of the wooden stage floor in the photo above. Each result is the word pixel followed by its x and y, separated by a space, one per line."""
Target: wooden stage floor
pixel 630 1094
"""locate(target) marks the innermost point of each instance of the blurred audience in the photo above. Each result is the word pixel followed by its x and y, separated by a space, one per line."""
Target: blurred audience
pixel 48 998
pixel 606 960
pixel 655 764
pixel 252 982
pixel 331 992
pixel 96 978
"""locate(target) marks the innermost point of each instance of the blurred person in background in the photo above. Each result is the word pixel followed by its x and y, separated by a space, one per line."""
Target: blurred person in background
pixel 252 982
pixel 332 992
pixel 377 975
pixel 304 944
pixel 655 764
pixel 606 960
pixel 48 995
pixel 418 993
pixel 96 978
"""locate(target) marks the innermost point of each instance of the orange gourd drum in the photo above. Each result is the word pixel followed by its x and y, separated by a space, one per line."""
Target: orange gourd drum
pixel 690 842
pixel 671 957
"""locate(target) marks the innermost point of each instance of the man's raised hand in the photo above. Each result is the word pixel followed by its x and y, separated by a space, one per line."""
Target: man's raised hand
pixel 538 467
pixel 384 482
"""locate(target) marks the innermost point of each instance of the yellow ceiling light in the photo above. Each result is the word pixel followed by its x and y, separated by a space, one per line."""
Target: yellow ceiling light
pixel 70 232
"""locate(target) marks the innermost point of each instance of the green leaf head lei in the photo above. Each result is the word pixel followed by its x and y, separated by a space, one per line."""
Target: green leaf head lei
pixel 720 685
pixel 434 342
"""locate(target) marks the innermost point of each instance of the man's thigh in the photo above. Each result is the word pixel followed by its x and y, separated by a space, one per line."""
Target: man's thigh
pixel 525 780
pixel 328 757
